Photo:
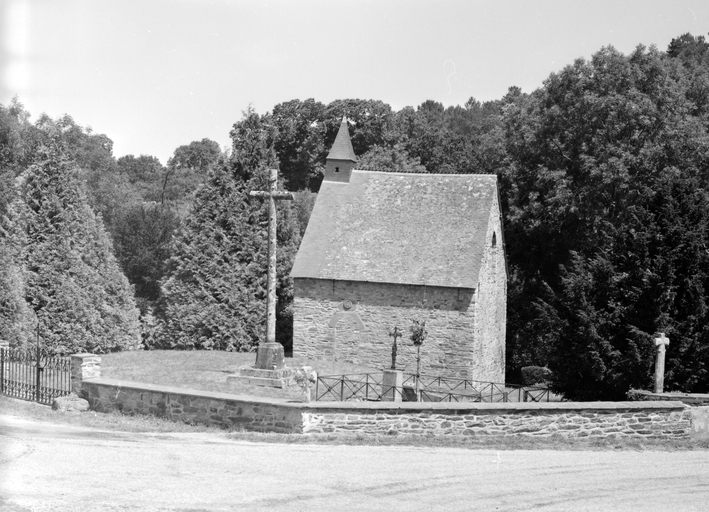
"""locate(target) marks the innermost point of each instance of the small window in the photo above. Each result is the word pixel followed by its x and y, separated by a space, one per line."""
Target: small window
pixel 494 239
pixel 337 169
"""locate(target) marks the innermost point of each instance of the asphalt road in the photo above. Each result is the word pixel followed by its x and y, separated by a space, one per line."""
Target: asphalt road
pixel 61 468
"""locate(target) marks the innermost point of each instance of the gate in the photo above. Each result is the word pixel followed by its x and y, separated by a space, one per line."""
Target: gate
pixel 33 375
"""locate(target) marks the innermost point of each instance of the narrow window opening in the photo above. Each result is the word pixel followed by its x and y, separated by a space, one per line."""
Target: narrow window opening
pixel 337 169
pixel 494 239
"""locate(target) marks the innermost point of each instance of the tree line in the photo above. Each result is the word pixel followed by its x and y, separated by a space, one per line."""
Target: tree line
pixel 603 174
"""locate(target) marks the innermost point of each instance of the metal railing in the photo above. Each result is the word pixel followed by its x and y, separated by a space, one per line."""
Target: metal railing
pixel 369 387
pixel 33 375
pixel 343 388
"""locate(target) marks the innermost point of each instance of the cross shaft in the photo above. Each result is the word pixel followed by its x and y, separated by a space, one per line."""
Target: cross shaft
pixel 270 354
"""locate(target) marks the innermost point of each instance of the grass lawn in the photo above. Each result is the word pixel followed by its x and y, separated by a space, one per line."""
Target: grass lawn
pixel 208 370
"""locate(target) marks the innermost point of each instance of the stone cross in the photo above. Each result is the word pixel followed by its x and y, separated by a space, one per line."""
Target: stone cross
pixel 660 342
pixel 394 333
pixel 270 355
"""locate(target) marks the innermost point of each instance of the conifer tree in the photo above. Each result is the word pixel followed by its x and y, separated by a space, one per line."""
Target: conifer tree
pixel 62 266
pixel 214 294
pixel 607 223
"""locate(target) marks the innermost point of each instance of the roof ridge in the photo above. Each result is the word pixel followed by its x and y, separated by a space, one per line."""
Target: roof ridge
pixel 406 173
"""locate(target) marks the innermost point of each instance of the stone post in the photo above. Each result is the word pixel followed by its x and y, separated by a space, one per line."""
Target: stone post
pixel 392 385
pixel 660 342
pixel 83 367
pixel 699 422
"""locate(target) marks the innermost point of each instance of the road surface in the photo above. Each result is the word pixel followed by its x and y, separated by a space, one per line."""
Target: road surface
pixel 47 467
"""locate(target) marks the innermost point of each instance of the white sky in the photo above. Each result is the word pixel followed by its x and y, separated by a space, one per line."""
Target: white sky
pixel 157 74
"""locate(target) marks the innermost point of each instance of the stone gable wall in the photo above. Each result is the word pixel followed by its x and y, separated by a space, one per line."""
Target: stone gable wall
pixel 491 304
pixel 450 322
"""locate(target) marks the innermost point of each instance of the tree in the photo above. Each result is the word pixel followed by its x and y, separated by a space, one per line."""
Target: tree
pixel 144 175
pixel 215 290
pixel 300 144
pixel 390 159
pixel 142 237
pixel 187 169
pixel 604 178
pixel 369 123
pixel 63 263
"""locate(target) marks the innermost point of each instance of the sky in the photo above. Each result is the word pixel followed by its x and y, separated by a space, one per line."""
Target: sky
pixel 157 74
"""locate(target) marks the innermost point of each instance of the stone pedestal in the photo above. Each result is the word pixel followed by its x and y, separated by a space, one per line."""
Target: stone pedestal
pixel 277 378
pixel 392 385
pixel 270 356
pixel 270 369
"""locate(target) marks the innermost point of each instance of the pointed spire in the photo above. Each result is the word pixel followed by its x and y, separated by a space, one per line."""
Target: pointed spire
pixel 342 147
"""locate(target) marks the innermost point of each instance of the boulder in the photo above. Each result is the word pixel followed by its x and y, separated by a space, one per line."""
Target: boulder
pixel 70 403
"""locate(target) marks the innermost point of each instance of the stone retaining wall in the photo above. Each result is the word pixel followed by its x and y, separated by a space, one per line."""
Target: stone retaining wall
pixel 693 399
pixel 656 419
pixel 600 419
pixel 191 406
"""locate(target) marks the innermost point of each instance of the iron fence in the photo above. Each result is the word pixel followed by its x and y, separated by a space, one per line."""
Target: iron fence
pixel 343 388
pixel 369 387
pixel 32 374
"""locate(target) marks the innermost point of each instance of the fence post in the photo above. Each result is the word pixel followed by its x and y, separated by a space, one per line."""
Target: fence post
pixel 4 345
pixel 83 367
pixel 392 385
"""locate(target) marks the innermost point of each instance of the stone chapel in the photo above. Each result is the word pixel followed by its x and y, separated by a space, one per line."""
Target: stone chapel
pixel 382 249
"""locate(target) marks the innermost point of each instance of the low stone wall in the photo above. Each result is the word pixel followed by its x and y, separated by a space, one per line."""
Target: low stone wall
pixel 656 419
pixel 623 419
pixel 568 419
pixel 693 399
pixel 191 406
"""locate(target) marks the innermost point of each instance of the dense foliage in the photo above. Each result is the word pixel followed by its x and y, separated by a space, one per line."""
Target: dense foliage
pixel 215 288
pixel 61 276
pixel 607 223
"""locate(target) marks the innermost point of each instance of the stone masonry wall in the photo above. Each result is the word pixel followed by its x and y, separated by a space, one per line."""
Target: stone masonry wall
pixel 450 322
pixel 491 304
pixel 190 406
pixel 575 420
pixel 567 419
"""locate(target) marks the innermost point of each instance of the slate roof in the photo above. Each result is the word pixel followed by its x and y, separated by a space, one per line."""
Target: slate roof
pixel 399 228
pixel 342 147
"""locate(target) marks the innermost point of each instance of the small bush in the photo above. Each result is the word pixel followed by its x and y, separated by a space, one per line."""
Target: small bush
pixel 534 375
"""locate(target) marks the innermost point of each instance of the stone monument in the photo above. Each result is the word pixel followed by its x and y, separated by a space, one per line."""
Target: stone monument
pixel 661 341
pixel 270 369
